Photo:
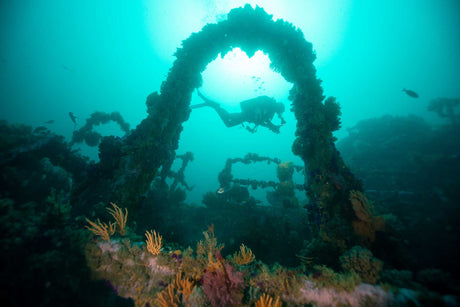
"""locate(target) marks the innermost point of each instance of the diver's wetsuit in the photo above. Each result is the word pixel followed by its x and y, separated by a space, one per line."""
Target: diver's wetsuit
pixel 259 110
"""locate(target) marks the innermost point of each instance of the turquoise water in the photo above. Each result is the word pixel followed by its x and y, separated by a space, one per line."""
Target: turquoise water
pixel 389 64
pixel 59 57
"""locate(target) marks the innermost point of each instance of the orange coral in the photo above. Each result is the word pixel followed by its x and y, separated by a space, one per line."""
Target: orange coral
pixel 120 218
pixel 153 242
pixel 170 296
pixel 267 301
pixel 101 229
pixel 209 249
pixel 244 256
pixel 184 286
pixel 167 297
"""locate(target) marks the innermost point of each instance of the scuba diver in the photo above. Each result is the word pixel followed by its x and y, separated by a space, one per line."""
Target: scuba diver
pixel 259 111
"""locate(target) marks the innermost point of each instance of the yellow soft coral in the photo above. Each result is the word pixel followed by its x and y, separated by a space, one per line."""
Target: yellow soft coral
pixel 184 286
pixel 207 250
pixel 153 242
pixel 120 217
pixel 167 298
pixel 175 294
pixel 101 229
pixel 267 301
pixel 244 256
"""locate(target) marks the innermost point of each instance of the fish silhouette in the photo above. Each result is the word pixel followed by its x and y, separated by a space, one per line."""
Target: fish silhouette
pixel 410 93
pixel 73 118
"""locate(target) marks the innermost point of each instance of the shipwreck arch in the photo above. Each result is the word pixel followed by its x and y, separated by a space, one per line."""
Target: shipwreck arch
pixel 150 148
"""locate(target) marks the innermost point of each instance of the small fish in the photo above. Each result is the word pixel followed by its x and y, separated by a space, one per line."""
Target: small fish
pixel 410 93
pixel 73 118
pixel 51 121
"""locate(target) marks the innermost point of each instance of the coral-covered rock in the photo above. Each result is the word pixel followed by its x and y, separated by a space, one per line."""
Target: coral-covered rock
pixel 360 260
